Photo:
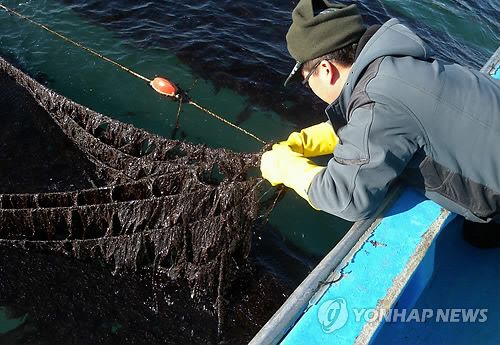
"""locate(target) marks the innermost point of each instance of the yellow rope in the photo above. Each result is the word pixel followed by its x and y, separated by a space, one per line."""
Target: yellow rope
pixel 225 121
pixel 125 68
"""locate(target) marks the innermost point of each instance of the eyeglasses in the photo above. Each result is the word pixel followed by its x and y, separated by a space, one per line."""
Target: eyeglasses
pixel 305 82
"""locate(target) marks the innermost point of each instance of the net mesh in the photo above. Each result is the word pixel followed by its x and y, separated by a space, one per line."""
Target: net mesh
pixel 183 210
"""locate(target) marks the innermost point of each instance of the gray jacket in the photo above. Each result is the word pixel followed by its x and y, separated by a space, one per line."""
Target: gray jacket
pixel 403 114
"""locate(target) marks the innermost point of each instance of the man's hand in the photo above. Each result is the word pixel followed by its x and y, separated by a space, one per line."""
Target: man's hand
pixel 313 141
pixel 282 165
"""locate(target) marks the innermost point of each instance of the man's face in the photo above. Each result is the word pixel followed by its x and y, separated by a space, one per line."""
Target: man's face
pixel 326 80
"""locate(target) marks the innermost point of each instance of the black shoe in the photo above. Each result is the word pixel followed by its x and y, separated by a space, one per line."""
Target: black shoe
pixel 482 235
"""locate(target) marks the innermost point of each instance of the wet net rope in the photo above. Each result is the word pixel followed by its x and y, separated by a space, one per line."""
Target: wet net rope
pixel 179 209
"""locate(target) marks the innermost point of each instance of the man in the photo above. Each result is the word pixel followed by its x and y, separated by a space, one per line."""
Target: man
pixel 397 112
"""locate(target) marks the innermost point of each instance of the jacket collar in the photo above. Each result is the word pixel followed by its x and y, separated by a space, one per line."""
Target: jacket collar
pixel 336 111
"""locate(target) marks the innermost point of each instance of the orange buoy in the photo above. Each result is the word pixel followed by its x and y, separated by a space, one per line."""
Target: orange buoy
pixel 164 86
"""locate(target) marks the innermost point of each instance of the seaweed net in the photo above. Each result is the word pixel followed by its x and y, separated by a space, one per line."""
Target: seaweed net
pixel 164 205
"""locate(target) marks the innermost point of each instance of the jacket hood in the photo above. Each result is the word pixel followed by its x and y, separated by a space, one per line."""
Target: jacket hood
pixel 392 39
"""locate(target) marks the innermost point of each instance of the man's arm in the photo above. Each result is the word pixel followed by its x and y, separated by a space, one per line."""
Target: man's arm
pixel 373 151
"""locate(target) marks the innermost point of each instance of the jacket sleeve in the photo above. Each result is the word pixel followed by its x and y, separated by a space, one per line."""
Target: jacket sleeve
pixel 373 149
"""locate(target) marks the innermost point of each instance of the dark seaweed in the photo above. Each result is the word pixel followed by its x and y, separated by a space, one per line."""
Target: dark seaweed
pixel 180 211
pixel 67 301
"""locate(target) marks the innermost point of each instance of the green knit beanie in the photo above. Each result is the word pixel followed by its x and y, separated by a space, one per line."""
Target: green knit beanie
pixel 318 28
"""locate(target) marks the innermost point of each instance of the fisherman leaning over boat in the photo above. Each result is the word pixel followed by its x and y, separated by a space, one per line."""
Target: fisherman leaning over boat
pixel 397 112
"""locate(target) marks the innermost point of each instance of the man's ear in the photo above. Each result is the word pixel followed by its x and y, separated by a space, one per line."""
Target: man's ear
pixel 328 72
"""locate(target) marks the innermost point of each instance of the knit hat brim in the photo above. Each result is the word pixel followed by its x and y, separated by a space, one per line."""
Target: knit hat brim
pixel 294 76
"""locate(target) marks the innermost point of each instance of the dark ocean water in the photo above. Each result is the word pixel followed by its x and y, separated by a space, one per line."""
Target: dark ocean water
pixel 236 53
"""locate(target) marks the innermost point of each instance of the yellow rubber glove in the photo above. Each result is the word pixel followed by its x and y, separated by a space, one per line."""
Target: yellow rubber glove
pixel 282 165
pixel 313 141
